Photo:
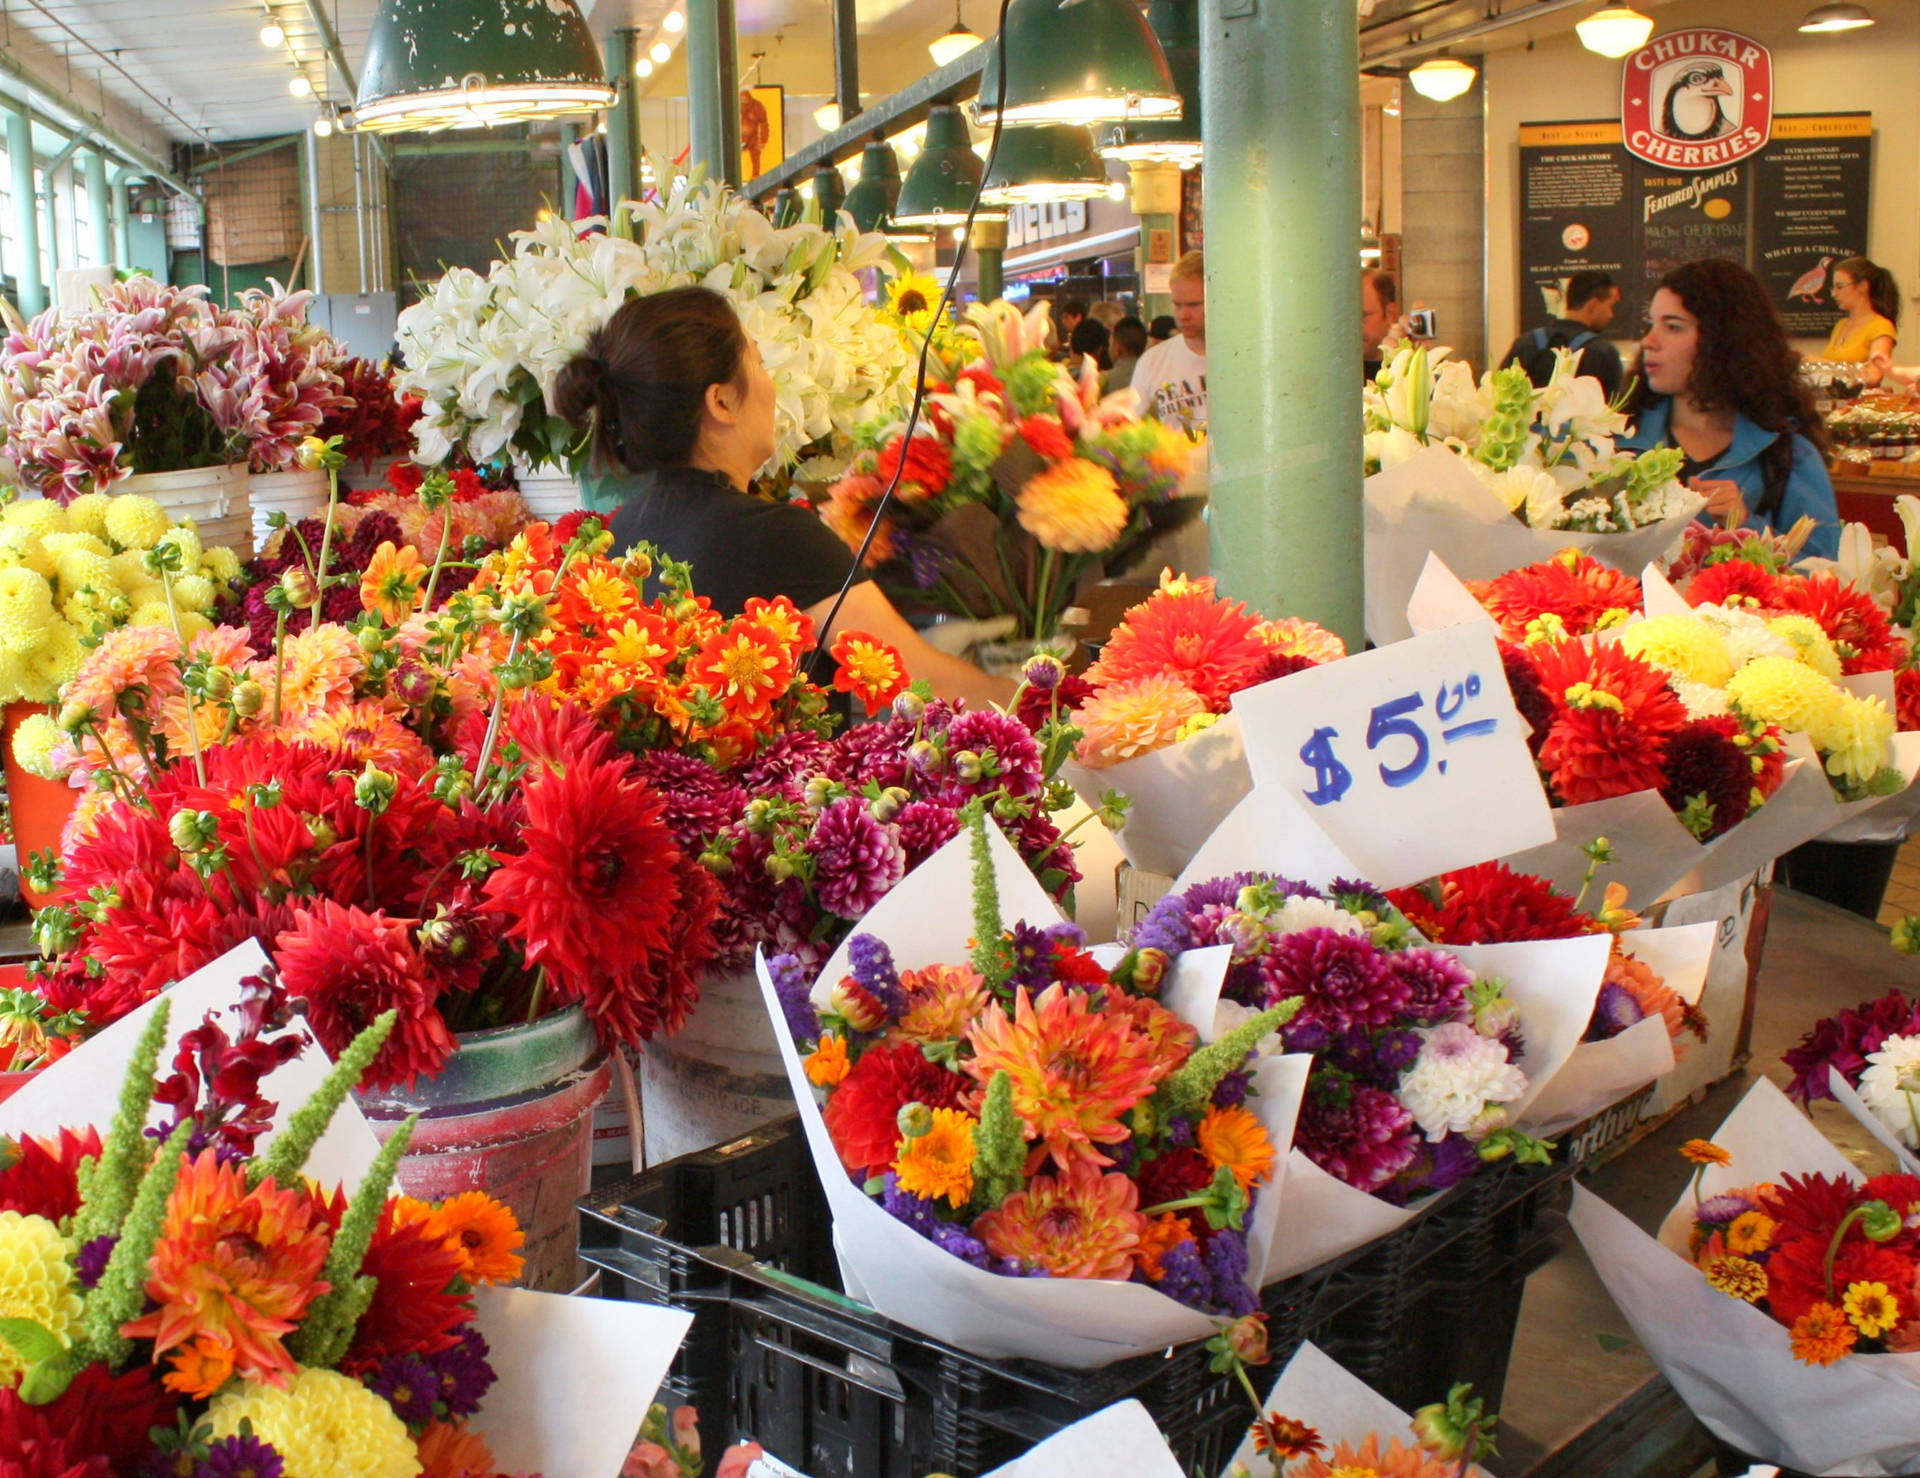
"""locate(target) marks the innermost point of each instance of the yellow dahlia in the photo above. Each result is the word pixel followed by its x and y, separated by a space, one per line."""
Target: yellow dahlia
pixel 193 593
pixel 1811 645
pixel 37 516
pixel 1856 742
pixel 87 514
pixel 78 568
pixel 1778 690
pixel 220 563
pixel 185 538
pixel 26 610
pixel 151 613
pixel 1298 637
pixel 1134 718
pixel 33 745
pixel 940 1162
pixel 1682 646
pixel 1073 507
pixel 135 522
pixel 36 1282
pixel 323 1425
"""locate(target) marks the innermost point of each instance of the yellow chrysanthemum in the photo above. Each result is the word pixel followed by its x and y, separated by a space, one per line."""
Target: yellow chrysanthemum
pixel 1682 646
pixel 220 563
pixel 940 1162
pixel 151 613
pixel 76 569
pixel 1073 507
pixel 33 744
pixel 13 678
pixel 186 538
pixel 87 514
pixel 58 658
pixel 135 522
pixel 26 610
pixel 1198 724
pixel 1857 741
pixel 1810 643
pixel 323 1425
pixel 58 543
pixel 130 570
pixel 37 516
pixel 1778 690
pixel 193 593
pixel 36 1282
pixel 192 623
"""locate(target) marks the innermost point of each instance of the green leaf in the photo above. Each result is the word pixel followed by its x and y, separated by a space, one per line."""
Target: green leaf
pixel 35 1342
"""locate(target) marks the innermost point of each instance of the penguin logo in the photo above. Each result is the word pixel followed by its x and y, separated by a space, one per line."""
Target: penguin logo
pixel 1699 99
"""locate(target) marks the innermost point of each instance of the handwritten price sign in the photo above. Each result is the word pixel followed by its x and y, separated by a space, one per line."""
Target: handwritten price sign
pixel 1411 757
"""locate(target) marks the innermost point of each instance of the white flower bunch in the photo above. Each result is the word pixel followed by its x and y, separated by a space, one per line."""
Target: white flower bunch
pixel 1890 1086
pixel 483 352
pixel 1547 452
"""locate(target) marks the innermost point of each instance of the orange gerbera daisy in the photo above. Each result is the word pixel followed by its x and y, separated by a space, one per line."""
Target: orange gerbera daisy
pixel 485 1235
pixel 869 669
pixel 1211 645
pixel 745 666
pixel 450 1450
pixel 1705 1152
pixel 1238 1140
pixel 234 1271
pixel 1079 1224
pixel 391 584
pixel 940 1162
pixel 1075 1070
pixel 1822 1336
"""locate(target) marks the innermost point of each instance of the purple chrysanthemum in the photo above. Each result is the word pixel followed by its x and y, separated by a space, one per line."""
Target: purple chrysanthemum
pixel 857 860
pixel 1435 1167
pixel 1394 1051
pixel 796 1000
pixel 1722 1209
pixel 1186 1279
pixel 1171 925
pixel 1363 1137
pixel 239 1457
pixel 410 1385
pixel 1226 1263
pixel 92 1260
pixel 1347 979
pixel 924 828
pixel 1436 985
pixel 1614 1010
pixel 464 1374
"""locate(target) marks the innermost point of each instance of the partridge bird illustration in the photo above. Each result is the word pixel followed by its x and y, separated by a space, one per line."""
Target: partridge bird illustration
pixel 1692 108
pixel 1811 283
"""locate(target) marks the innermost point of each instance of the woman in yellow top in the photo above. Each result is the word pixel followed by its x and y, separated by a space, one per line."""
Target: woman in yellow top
pixel 1872 302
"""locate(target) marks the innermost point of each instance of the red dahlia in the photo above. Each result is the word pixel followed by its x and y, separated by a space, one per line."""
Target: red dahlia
pixel 1491 904
pixel 1857 627
pixel 863 1113
pixel 1612 717
pixel 42 1181
pixel 414 1313
pixel 1735 582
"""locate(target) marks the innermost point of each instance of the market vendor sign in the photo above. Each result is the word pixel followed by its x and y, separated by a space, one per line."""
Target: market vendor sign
pixel 1698 99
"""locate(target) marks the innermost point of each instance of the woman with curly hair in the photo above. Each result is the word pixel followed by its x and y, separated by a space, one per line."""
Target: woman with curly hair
pixel 1717 380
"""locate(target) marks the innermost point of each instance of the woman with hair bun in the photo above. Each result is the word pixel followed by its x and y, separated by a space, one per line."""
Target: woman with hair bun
pixel 1718 380
pixel 1871 299
pixel 681 412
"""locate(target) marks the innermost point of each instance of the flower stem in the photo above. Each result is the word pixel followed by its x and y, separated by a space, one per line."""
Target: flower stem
pixel 193 715
pixel 539 989
pixel 440 554
pixel 1833 1247
pixel 326 543
pixel 493 721
pixel 279 662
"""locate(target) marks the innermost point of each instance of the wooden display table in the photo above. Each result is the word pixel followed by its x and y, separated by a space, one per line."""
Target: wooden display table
pixel 1865 494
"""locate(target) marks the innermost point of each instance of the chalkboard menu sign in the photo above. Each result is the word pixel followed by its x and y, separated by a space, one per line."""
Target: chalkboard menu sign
pixel 1791 213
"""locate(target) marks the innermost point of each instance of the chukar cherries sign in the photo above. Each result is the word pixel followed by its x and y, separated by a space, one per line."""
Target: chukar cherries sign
pixel 1701 98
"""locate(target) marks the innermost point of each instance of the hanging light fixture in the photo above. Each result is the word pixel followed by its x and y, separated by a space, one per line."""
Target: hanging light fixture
pixel 323 127
pixel 940 187
pixel 874 193
pixel 299 86
pixel 643 67
pixel 1836 17
pixel 828 192
pixel 955 43
pixel 434 64
pixel 1077 61
pixel 1049 161
pixel 1166 140
pixel 1442 79
pixel 1615 31
pixel 826 117
pixel 271 34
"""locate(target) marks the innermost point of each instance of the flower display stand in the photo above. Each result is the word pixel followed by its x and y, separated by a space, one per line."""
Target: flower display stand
pixel 215 498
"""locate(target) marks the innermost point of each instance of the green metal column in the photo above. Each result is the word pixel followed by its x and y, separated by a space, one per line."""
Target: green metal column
pixel 31 290
pixel 623 169
pixel 1280 83
pixel 713 89
pixel 989 242
pixel 95 172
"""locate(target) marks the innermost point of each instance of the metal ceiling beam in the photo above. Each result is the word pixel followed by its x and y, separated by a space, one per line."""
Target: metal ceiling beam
pixel 265 146
pixel 53 102
pixel 330 43
pixel 1421 45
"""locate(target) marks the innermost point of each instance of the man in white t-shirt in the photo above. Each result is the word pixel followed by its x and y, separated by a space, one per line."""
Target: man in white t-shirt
pixel 1171 378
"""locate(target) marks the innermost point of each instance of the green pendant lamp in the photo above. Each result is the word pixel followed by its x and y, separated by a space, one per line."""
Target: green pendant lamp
pixel 872 197
pixel 1077 61
pixel 1049 161
pixel 829 194
pixel 940 186
pixel 1166 140
pixel 435 64
pixel 786 207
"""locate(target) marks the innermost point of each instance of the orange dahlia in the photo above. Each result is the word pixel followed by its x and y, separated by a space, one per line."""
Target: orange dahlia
pixel 1073 507
pixel 316 671
pixel 1396 1459
pixel 1135 717
pixel 233 1272
pixel 941 1001
pixel 1075 1070
pixel 1735 582
pixel 450 1450
pixel 783 618
pixel 1298 637
pixel 1211 645
pixel 391 584
pixel 1611 717
pixel 745 666
pixel 595 597
pixel 366 733
pixel 1078 1224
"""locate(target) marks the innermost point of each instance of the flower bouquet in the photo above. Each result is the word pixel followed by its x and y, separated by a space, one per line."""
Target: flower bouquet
pixel 1152 713
pixel 1020 484
pixel 195 1286
pixel 1498 474
pixel 1648 1007
pixel 1779 1300
pixel 483 352
pixel 1424 1057
pixel 1865 1058
pixel 1025 1153
pixel 375 419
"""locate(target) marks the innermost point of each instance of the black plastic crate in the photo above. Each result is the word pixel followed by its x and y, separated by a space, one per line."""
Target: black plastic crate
pixel 740 1235
pixel 1730 1462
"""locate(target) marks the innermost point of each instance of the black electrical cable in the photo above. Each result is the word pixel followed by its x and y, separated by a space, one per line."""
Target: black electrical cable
pixel 926 345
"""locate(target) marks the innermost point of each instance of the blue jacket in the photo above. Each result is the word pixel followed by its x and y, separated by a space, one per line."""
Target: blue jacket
pixel 1809 490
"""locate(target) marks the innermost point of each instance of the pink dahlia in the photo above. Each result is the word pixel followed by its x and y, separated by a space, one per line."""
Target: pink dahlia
pixel 1364 1137
pixel 1346 979
pixel 857 860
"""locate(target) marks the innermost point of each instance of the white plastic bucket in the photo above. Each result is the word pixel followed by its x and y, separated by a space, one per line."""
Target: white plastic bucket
pixel 549 495
pixel 299 494
pixel 202 494
pixel 227 533
pixel 354 480
pixel 717 1078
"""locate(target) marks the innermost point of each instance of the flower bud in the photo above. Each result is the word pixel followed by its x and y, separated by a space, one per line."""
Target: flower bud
pixel 720 864
pixel 910 706
pixel 819 791
pixel 371 639
pixel 637 565
pixel 373 791
pixel 218 684
pixel 312 454
pixel 1496 1018
pixel 1245 933
pixel 75 716
pixel 889 803
pixel 1043 672
pixel 1880 1221
pixel 914 1120
pixel 779 866
pixel 299 586
pixel 443 935
pixel 759 814
pixel 924 756
pixel 854 1004
pixel 248 698
pixel 968 765
pixel 1490 1120
pixel 322 832
pixel 686 1430
pixel 192 830
pixel 1149 971
pixel 1247 1338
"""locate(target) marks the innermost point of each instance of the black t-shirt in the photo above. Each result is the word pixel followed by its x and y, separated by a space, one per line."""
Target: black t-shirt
pixel 739 546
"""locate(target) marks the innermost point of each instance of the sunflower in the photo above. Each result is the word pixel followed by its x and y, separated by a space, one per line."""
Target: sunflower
pixel 912 297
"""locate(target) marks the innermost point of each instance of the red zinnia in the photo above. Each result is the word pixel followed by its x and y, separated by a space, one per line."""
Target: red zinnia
pixel 42 1181
pixel 1857 627
pixel 863 1113
pixel 929 468
pixel 415 1312
pixel 1735 582
pixel 1612 716
pixel 351 966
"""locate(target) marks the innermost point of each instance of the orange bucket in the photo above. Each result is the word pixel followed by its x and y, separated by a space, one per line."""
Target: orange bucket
pixel 40 807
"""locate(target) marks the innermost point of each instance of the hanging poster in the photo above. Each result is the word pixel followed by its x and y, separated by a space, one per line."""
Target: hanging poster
pixel 1789 212
pixel 1701 98
pixel 763 130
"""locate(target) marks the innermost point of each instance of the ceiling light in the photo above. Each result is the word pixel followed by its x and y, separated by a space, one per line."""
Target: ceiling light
pixel 298 85
pixel 959 234
pixel 1116 189
pixel 1049 161
pixel 323 127
pixel 675 22
pixel 939 189
pixel 1442 80
pixel 1096 61
pixel 827 117
pixel 660 51
pixel 828 193
pixel 878 187
pixel 1837 17
pixel 475 63
pixel 643 67
pixel 271 34
pixel 1615 31
pixel 955 43
pixel 1165 140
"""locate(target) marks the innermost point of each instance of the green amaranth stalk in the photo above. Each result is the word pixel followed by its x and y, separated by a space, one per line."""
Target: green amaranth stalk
pixel 121 1293
pixel 108 1184
pixel 290 1148
pixel 328 1329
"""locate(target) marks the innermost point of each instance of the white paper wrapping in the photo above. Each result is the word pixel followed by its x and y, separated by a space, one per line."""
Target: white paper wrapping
pixel 1432 503
pixel 1850 1100
pixel 1180 794
pixel 1731 1363
pixel 1342 1408
pixel 1120 1442
pixel 1078 1323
